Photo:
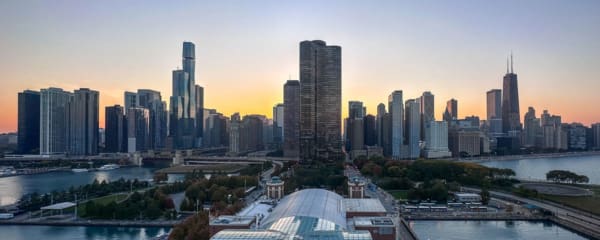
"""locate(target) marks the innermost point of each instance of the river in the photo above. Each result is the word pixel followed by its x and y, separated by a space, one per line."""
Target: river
pixel 536 169
pixel 499 230
pixel 14 232
pixel 13 188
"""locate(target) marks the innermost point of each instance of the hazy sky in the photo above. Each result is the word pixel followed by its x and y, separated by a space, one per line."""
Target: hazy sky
pixel 246 50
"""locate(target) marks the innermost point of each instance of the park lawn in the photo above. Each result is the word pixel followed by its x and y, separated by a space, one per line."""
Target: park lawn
pixel 102 200
pixel 399 194
pixel 589 204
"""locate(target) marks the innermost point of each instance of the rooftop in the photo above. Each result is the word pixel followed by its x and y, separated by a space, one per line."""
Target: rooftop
pixel 316 203
pixel 372 222
pixel 232 220
pixel 363 205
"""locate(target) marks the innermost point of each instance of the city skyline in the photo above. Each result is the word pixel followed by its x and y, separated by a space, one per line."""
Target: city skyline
pixel 542 68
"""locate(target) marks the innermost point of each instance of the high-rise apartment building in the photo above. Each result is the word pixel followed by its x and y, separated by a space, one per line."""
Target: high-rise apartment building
pixel 291 119
pixel 82 122
pixel 396 109
pixel 138 128
pixel 157 110
pixel 28 141
pixel 321 101
pixel 115 126
pixel 53 120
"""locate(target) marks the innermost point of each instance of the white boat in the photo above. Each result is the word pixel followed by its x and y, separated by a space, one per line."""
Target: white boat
pixel 109 167
pixel 78 170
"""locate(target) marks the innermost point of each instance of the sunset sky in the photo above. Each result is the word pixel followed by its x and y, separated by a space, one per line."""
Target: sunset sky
pixel 246 50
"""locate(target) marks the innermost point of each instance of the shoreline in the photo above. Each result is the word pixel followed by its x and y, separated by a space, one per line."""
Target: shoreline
pixel 526 157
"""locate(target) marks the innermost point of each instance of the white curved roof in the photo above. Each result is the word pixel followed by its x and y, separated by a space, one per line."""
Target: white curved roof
pixel 315 203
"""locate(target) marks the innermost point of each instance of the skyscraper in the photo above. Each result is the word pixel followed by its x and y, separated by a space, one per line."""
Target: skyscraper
pixel 138 128
pixel 427 111
pixel 234 134
pixel 53 120
pixel 157 110
pixel 251 133
pixel 183 101
pixel 355 126
pixel 82 122
pixel 494 110
pixel 379 124
pixel 451 112
pixel 291 119
pixel 511 117
pixel 396 108
pixel 199 115
pixel 413 127
pixel 29 122
pixel 115 129
pixel 278 123
pixel 321 100
pixel 370 124
pixel 130 100
pixel 437 144
pixel 532 128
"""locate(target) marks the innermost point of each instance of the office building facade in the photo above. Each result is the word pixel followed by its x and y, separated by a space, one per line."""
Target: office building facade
pixel 321 100
pixel 28 141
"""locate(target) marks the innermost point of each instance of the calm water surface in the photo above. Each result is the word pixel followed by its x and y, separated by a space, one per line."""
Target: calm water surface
pixel 76 233
pixel 536 169
pixel 499 230
pixel 13 188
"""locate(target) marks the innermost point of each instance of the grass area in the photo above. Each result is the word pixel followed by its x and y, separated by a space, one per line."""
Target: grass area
pixel 399 194
pixel 102 200
pixel 589 204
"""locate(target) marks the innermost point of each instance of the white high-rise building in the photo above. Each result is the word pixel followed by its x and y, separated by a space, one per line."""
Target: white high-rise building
pixel 396 109
pixel 53 122
pixel 436 140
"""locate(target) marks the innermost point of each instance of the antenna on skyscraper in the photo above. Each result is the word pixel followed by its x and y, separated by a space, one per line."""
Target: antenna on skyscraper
pixel 511 63
pixel 507 66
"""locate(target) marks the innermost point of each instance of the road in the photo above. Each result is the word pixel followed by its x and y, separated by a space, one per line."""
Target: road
pixel 590 223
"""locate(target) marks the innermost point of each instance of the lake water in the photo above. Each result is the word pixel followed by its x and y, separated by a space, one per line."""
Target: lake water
pixel 536 169
pixel 498 230
pixel 13 188
pixel 14 232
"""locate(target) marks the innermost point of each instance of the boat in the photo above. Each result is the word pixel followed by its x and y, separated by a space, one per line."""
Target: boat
pixel 78 170
pixel 109 167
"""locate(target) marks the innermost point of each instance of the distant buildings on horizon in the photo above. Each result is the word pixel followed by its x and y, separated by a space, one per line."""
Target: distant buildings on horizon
pixel 307 125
